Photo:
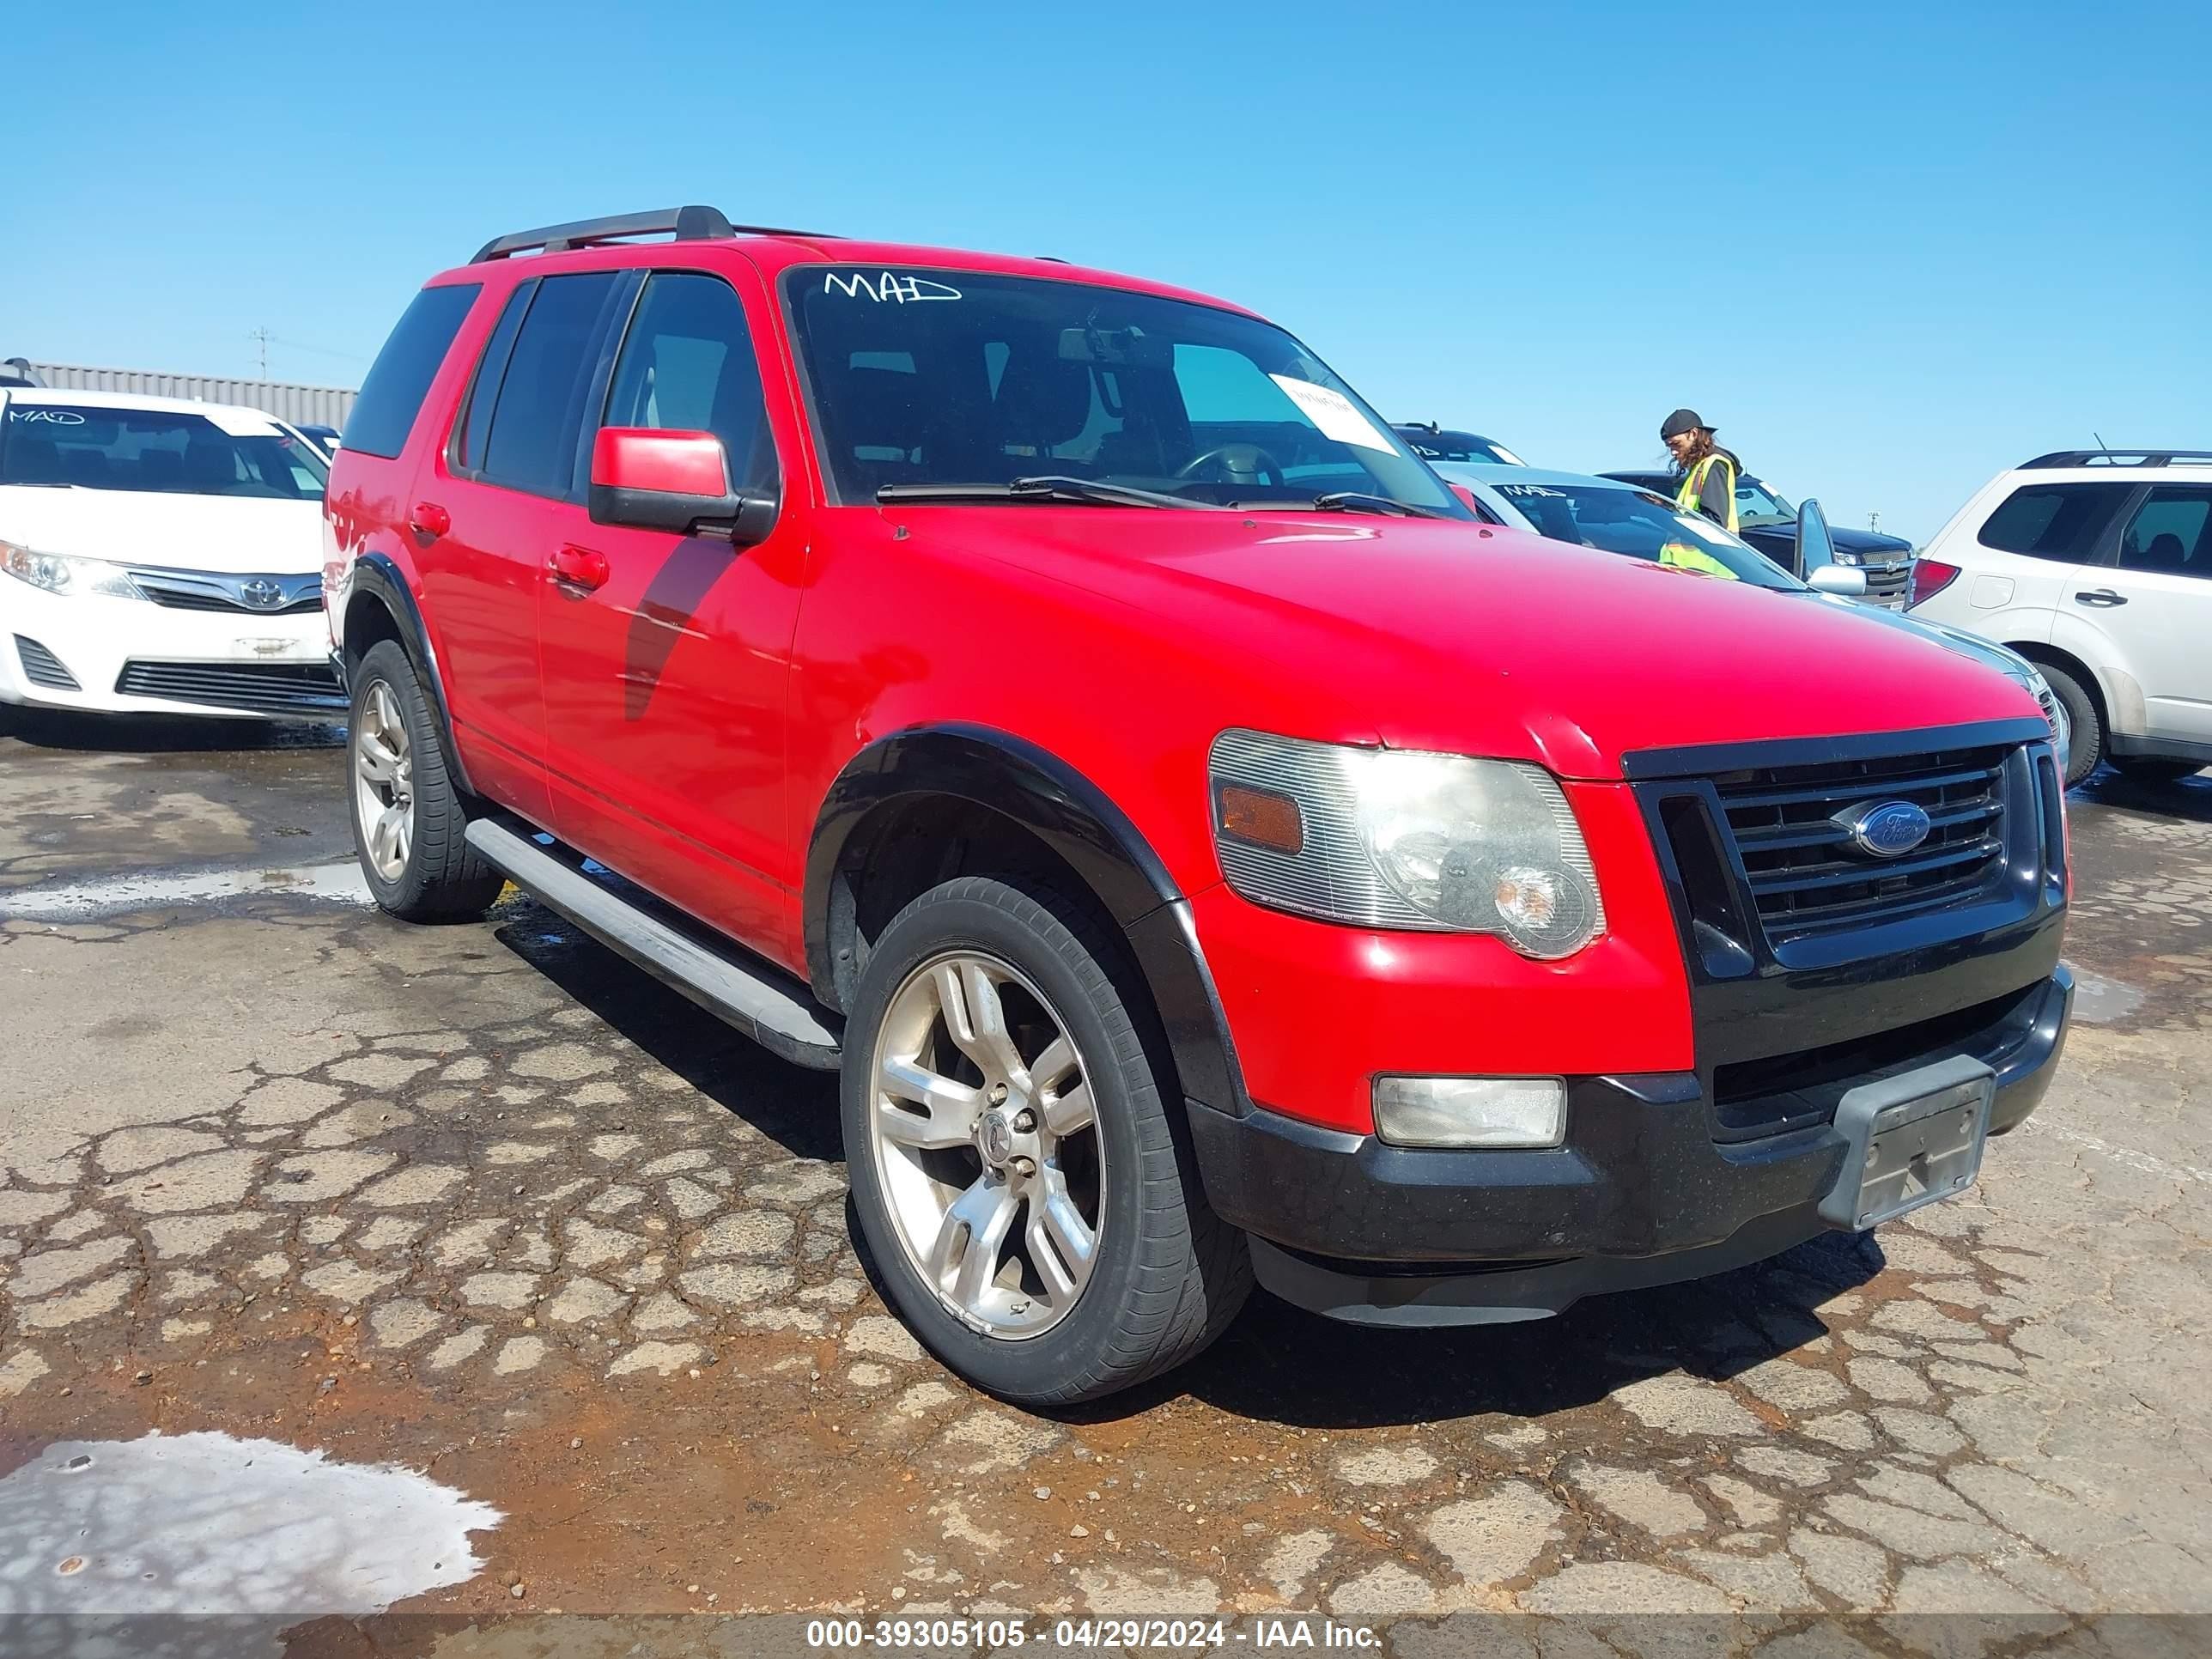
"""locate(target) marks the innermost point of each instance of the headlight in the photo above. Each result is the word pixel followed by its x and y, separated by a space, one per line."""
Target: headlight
pixel 59 575
pixel 1387 838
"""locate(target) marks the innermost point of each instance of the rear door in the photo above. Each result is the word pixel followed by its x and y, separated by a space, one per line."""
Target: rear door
pixel 666 682
pixel 2029 559
pixel 500 491
pixel 2156 601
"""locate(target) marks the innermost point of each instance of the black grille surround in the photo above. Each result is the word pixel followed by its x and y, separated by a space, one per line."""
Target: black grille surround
pixel 42 668
pixel 1802 950
pixel 305 688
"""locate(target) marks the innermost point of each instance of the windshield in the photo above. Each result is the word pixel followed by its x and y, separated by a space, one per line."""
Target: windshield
pixel 153 450
pixel 1757 506
pixel 1432 444
pixel 1641 525
pixel 955 377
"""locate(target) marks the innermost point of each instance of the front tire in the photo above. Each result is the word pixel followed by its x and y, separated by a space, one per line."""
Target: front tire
pixel 408 821
pixel 1015 1172
pixel 2086 743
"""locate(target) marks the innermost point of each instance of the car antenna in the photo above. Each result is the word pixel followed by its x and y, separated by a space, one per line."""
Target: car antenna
pixel 2099 436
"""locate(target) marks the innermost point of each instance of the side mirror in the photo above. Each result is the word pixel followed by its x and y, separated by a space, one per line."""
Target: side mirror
pixel 649 479
pixel 1841 579
pixel 1815 548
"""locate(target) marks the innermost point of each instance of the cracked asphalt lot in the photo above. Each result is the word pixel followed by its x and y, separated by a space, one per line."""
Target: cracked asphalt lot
pixel 481 1200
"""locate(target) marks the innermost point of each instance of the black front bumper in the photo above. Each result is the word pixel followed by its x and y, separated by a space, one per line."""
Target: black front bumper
pixel 1649 1188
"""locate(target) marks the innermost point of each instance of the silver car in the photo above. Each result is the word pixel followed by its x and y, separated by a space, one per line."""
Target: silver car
pixel 1627 519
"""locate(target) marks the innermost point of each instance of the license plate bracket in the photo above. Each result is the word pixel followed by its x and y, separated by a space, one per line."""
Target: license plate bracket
pixel 1915 1138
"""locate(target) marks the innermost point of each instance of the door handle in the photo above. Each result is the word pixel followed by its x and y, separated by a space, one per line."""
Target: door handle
pixel 578 567
pixel 2102 596
pixel 429 520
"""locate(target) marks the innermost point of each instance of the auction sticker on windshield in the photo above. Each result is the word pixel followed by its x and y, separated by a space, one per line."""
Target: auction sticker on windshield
pixel 1336 414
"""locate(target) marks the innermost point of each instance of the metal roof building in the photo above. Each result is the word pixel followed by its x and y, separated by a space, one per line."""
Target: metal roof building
pixel 316 406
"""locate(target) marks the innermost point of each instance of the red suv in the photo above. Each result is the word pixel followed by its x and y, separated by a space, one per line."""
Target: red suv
pixel 1056 703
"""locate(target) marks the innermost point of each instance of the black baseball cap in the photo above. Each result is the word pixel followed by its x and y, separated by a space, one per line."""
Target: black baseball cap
pixel 1681 421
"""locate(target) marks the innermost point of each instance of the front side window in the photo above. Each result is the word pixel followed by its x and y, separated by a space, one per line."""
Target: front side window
pixel 1641 525
pixel 965 378
pixel 2171 531
pixel 2059 521
pixel 531 443
pixel 384 412
pixel 687 365
pixel 91 448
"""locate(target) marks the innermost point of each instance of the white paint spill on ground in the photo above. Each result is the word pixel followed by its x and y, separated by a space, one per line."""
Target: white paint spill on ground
pixel 2100 1001
pixel 2126 1157
pixel 112 895
pixel 202 1524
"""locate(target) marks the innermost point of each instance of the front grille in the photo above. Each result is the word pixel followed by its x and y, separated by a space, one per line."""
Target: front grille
pixel 41 667
pixel 1887 583
pixel 248 595
pixel 180 599
pixel 265 688
pixel 1806 874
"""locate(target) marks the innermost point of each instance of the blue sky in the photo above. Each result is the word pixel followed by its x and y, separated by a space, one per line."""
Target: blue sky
pixel 1885 250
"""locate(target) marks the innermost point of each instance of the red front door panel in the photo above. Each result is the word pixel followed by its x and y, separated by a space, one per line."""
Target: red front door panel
pixel 665 700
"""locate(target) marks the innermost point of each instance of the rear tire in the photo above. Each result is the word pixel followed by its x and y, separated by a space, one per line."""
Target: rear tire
pixel 1153 1276
pixel 407 820
pixel 2087 742
pixel 2144 769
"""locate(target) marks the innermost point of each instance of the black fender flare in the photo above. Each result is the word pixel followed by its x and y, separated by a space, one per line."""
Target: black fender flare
pixel 1043 794
pixel 377 578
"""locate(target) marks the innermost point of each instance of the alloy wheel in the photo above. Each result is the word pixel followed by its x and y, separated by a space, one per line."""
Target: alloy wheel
pixel 985 1135
pixel 383 782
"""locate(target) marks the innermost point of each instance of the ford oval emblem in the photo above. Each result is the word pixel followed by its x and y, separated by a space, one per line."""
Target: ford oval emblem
pixel 1888 830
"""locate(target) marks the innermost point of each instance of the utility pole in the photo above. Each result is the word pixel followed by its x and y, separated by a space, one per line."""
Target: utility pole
pixel 260 338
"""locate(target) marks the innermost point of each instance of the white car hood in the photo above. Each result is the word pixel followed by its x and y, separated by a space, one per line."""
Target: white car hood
pixel 236 535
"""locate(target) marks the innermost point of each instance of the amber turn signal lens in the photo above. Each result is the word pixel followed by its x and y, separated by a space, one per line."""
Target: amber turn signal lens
pixel 1264 819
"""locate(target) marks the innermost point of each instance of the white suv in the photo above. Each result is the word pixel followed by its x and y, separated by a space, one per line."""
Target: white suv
pixel 2096 565
pixel 160 556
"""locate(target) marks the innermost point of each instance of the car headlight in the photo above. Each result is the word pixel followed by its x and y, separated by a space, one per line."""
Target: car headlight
pixel 1390 838
pixel 2062 728
pixel 57 573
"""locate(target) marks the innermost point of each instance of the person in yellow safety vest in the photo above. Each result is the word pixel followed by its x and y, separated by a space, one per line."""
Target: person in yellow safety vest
pixel 1680 556
pixel 1709 472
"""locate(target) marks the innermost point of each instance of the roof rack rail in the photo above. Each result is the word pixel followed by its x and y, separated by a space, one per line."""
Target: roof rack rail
pixel 685 224
pixel 2119 457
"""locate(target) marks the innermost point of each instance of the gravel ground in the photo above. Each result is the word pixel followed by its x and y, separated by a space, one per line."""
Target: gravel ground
pixel 483 1201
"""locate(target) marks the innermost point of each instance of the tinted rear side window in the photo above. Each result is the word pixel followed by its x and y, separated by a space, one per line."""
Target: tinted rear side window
pixel 398 381
pixel 2060 521
pixel 531 445
pixel 2171 531
pixel 469 445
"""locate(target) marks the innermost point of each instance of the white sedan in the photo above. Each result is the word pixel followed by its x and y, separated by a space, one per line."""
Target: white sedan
pixel 160 557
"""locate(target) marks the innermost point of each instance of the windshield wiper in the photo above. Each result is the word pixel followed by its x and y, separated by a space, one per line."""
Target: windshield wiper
pixel 1049 488
pixel 1353 500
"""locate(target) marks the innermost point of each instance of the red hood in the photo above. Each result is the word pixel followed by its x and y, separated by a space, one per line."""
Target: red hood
pixel 1448 637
